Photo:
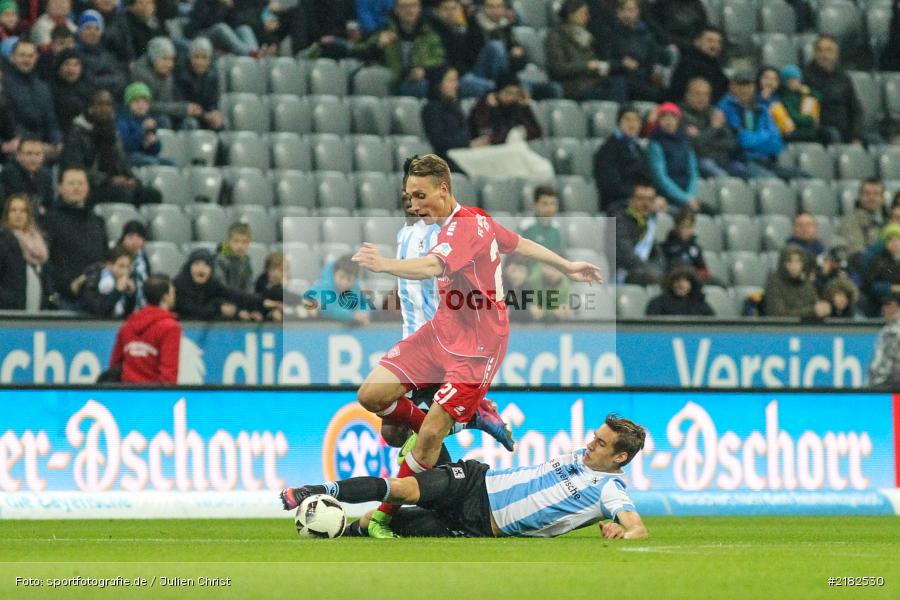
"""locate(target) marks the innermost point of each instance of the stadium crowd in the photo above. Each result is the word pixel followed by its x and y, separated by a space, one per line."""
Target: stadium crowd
pixel 90 89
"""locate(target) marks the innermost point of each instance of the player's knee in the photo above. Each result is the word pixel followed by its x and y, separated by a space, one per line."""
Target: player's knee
pixel 367 396
pixel 404 490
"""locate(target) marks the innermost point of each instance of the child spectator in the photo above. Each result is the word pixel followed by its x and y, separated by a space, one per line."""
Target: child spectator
pixel 108 290
pixel 883 275
pixel 156 69
pixel 768 82
pixel 232 263
pixel 71 89
pixel 271 286
pixel 58 12
pixel 672 159
pixel 621 161
pixel 138 129
pixel 842 295
pixel 804 106
pixel 198 83
pixel 338 294
pixel 134 235
pixel 681 248
pixel 525 308
pixel 25 283
pixel 543 228
pixel 682 296
pixel 790 291
pixel 201 296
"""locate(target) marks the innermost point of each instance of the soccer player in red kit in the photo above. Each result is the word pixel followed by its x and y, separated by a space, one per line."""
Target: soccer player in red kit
pixel 464 344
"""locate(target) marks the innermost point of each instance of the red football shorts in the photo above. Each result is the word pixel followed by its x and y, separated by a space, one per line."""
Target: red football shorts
pixel 421 361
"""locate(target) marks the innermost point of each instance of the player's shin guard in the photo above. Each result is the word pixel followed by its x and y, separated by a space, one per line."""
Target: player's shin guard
pixel 404 413
pixel 409 467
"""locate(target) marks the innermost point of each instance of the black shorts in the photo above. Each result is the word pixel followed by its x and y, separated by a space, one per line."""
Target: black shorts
pixel 457 493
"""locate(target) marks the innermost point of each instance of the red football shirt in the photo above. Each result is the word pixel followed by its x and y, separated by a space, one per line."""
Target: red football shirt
pixel 471 318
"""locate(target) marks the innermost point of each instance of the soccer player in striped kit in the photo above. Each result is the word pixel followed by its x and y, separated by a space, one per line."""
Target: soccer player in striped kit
pixel 470 499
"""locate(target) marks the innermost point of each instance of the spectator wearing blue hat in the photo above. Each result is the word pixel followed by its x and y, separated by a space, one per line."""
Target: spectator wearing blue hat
pixel 803 104
pixel 101 69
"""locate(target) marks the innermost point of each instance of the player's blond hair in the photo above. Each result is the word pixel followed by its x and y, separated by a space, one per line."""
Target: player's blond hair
pixel 431 165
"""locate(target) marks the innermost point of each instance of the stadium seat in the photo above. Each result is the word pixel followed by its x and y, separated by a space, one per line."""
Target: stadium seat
pixel 290 151
pixel 292 114
pixel 533 13
pixel 741 233
pixel 569 157
pixel 343 230
pixel 816 197
pixel 776 197
pixel 813 159
pixel 602 117
pixel 373 81
pixel 382 231
pixel 868 90
pixel 847 191
pixel 287 76
pixel 164 257
pixel 281 212
pixel 246 149
pixel 853 162
pixel 463 189
pixel 246 75
pixel 500 195
pixel 842 20
pixel 717 268
pixel 211 222
pixel 377 191
pixel 305 263
pixel 406 116
pixel 335 190
pixel 777 49
pixel 506 219
pixel 707 192
pixel 735 197
pixel 330 115
pixel 631 301
pixel 173 147
pixel 247 112
pixel 740 293
pixel 406 147
pixel 532 40
pixel 257 252
pixel 739 20
pixel 295 188
pixel 566 119
pixel 721 303
pixel 148 211
pixel 327 77
pixel 202 147
pixel 583 232
pixel 261 224
pixel 250 186
pixel 205 184
pixel 332 251
pixel 590 256
pixel 748 268
pixel 189 247
pixel 115 215
pixel 777 17
pixel 709 233
pixel 171 183
pixel 889 162
pixel 892 96
pixel 370 115
pixel 372 153
pixel 664 224
pixel 170 226
pixel 878 26
pixel 577 194
pixel 331 153
pixel 776 230
pixel 299 229
pixel 826 229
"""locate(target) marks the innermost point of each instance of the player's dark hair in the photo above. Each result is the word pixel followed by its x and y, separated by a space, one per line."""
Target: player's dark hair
pixel 29 139
pixel 240 229
pixel 630 438
pixel 430 165
pixel 347 266
pixel 626 109
pixel 642 183
pixel 156 286
pixel 708 29
pixel 543 190
pixel 685 216
pixel 871 181
pixel 118 252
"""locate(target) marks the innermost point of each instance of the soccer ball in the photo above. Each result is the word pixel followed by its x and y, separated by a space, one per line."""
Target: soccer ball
pixel 320 516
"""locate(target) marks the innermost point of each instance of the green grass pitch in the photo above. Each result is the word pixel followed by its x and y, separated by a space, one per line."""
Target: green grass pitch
pixel 700 557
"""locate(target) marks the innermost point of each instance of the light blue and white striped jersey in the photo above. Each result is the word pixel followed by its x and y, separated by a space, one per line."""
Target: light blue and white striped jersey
pixel 418 299
pixel 554 497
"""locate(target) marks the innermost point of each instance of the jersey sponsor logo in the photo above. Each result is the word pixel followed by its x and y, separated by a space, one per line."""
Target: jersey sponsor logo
pixel 565 474
pixel 353 446
pixel 451 229
pixel 458 472
pixel 443 249
pixel 139 349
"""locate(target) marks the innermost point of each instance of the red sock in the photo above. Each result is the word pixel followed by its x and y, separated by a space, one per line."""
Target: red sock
pixel 404 413
pixel 405 471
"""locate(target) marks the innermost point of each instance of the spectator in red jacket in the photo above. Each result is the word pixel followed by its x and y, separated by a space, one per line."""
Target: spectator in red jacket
pixel 147 346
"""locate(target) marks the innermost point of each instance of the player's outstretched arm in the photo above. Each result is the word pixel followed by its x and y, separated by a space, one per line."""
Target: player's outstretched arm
pixel 629 527
pixel 576 271
pixel 425 267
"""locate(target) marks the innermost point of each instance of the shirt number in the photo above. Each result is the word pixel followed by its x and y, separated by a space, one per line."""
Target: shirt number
pixel 498 273
pixel 445 392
